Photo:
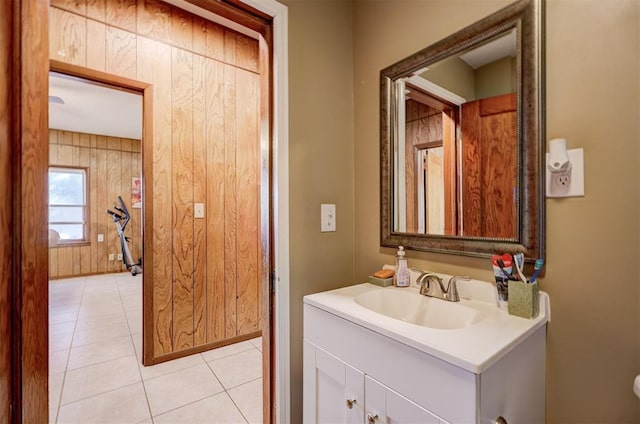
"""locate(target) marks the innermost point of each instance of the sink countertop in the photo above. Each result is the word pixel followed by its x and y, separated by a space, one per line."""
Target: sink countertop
pixel 474 348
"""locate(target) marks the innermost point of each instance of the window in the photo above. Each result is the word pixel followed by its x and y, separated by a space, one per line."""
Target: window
pixel 68 203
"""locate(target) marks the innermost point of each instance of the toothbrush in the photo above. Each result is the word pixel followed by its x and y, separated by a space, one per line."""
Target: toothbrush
pixel 518 258
pixel 536 269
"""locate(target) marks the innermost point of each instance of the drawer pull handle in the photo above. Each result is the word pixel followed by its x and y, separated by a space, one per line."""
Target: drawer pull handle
pixel 501 420
pixel 371 419
pixel 350 403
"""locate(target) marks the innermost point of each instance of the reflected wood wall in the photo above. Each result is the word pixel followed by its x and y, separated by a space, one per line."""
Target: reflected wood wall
pixel 489 158
pixel 111 163
pixel 206 272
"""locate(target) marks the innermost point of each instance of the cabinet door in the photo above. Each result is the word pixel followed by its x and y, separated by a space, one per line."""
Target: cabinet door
pixel 383 405
pixel 333 391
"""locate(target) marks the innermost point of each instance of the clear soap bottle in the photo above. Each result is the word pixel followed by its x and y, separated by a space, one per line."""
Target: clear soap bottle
pixel 401 276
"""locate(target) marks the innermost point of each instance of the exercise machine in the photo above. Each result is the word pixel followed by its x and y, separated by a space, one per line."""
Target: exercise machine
pixel 121 219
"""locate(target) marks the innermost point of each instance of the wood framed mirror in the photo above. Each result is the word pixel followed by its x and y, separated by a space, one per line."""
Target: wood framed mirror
pixel 462 147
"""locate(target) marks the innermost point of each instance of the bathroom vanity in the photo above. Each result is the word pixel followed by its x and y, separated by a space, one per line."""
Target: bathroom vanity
pixel 380 355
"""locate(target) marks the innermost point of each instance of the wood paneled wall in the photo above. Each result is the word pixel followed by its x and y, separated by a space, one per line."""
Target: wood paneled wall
pixel 111 163
pixel 206 272
pixel 489 158
pixel 7 278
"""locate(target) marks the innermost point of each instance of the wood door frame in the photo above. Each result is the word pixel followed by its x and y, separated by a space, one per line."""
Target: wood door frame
pixel 28 36
pixel 146 91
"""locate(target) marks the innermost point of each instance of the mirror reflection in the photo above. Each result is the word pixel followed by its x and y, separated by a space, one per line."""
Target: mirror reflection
pixel 456 144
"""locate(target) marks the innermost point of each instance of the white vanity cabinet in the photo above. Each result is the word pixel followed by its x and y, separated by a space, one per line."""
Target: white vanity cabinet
pixel 355 374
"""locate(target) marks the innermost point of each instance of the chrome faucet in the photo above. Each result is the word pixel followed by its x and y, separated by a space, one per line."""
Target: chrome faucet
pixel 428 287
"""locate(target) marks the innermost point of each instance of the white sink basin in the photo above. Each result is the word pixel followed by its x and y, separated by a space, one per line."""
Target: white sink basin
pixel 412 307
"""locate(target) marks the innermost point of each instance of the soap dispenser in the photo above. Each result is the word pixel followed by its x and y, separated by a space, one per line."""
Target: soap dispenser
pixel 401 277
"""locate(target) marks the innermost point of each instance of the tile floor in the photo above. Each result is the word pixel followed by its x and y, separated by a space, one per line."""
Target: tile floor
pixel 96 376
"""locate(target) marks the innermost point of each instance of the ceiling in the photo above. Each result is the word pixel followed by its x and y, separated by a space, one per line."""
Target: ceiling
pixel 93 108
pixel 490 52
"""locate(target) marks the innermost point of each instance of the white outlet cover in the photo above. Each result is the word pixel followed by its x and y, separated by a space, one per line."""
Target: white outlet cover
pixel 576 186
pixel 198 210
pixel 327 218
pixel 100 238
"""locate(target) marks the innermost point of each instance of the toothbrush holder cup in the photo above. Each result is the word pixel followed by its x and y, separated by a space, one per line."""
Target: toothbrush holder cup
pixel 524 299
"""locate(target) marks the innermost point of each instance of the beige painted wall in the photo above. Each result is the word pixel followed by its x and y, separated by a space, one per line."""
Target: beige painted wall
pixel 320 158
pixel 593 99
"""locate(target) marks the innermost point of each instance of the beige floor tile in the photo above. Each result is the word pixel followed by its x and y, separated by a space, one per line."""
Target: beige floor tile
pixel 248 398
pixel 238 369
pixel 82 356
pixel 62 317
pixel 61 328
pixel 58 361
pixel 55 389
pixel 63 307
pixel 257 342
pixel 221 352
pixel 60 342
pixel 99 309
pixel 180 388
pixel 89 381
pixel 124 405
pixel 99 334
pixel 170 366
pixel 217 409
pixel 101 321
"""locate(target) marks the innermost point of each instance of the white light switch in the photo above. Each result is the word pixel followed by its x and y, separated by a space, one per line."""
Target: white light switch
pixel 328 218
pixel 100 238
pixel 198 210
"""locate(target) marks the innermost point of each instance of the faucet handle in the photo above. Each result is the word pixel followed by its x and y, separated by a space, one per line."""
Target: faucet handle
pixel 452 290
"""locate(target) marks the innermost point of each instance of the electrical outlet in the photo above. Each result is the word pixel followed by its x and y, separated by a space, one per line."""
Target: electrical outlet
pixel 112 257
pixel 100 238
pixel 327 218
pixel 561 179
pixel 567 183
pixel 119 256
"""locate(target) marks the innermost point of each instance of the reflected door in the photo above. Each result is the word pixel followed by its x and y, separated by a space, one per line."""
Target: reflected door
pixel 489 167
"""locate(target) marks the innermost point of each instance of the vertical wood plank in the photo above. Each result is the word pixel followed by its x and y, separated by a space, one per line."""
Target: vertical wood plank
pixel 121 53
pixel 247 53
pixel 248 198
pixel 122 14
pixel 182 29
pixel 7 279
pixel 230 225
pixel 97 9
pixel 104 224
pixel 154 20
pixel 68 38
pixel 182 154
pixel 65 261
pixel 199 35
pixel 28 25
pixel 93 208
pixel 114 185
pixel 158 55
pixel 214 41
pixel 230 47
pixel 96 45
pixel 199 196
pixel 215 173
pixel 75 6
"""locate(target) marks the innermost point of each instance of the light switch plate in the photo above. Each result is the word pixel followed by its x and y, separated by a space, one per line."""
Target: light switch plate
pixel 575 185
pixel 100 238
pixel 327 217
pixel 198 210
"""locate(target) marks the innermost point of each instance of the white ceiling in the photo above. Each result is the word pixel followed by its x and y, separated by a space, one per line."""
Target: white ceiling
pixel 93 108
pixel 492 51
